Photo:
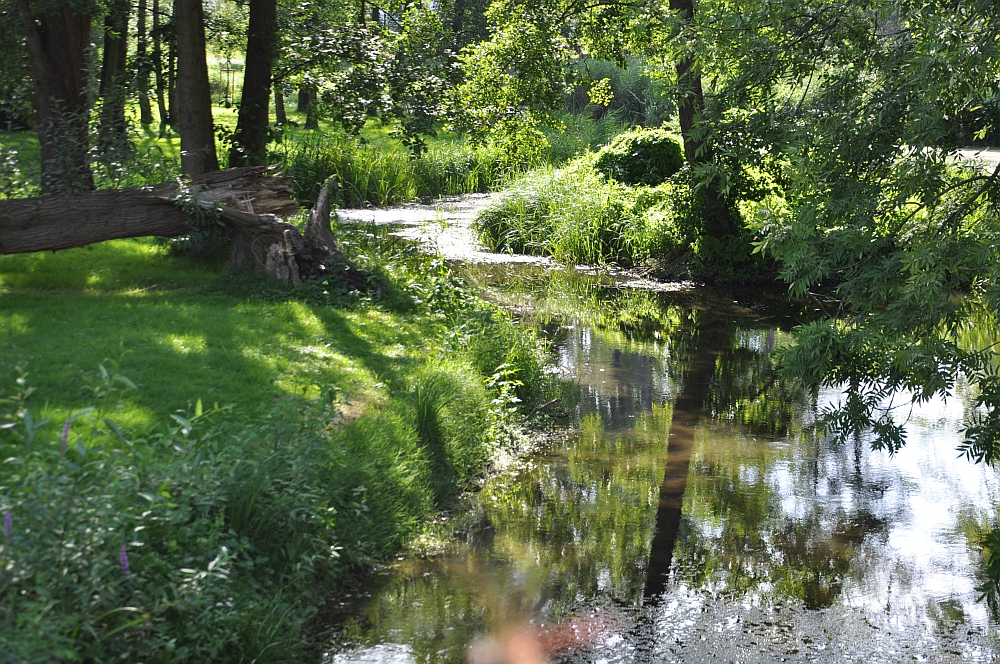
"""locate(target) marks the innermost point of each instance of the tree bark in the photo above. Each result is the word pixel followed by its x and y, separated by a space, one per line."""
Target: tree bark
pixel 51 223
pixel 113 72
pixel 142 64
pixel 716 212
pixel 58 40
pixel 250 137
pixel 158 77
pixel 690 96
pixel 302 100
pixel 244 200
pixel 280 117
pixel 194 93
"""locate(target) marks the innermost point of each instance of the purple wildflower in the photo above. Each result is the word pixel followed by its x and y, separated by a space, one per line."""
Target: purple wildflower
pixel 64 440
pixel 8 524
pixel 123 556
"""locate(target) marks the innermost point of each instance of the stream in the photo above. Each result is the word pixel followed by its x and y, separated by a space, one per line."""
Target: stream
pixel 691 514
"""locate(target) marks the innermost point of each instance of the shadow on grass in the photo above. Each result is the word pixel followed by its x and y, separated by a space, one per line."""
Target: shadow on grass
pixel 159 321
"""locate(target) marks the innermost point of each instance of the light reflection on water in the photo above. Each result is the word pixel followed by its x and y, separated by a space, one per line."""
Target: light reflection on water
pixel 786 546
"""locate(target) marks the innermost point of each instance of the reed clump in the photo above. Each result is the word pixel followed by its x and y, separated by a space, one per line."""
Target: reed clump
pixel 389 174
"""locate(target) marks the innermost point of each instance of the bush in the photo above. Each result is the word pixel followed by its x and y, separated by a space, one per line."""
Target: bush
pixel 642 156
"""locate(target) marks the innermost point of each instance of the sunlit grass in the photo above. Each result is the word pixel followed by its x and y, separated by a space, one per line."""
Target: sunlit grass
pixel 160 321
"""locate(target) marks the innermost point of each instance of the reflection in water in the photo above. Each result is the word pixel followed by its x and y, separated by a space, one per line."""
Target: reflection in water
pixel 690 517
pixel 696 385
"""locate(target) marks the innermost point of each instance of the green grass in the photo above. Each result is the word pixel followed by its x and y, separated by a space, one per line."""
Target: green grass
pixel 66 313
pixel 373 168
pixel 249 443
pixel 576 214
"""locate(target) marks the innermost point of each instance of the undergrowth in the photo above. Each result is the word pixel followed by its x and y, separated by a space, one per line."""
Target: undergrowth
pixel 577 214
pixel 215 532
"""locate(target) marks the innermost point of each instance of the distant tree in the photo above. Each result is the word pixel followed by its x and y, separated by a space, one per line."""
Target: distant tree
pixel 421 71
pixel 514 80
pixel 465 20
pixel 194 94
pixel 143 66
pixel 16 108
pixel 251 136
pixel 162 33
pixel 58 38
pixel 113 71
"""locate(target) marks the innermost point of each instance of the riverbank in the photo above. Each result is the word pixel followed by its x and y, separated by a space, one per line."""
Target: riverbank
pixel 196 460
pixel 692 512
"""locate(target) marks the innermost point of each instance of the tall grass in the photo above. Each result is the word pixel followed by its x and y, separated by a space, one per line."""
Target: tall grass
pixel 577 215
pixel 365 174
pixel 580 134
pixel 388 174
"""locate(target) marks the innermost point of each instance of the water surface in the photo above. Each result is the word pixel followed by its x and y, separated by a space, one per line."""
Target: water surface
pixel 691 515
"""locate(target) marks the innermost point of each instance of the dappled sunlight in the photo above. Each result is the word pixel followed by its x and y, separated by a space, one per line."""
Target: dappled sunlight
pixel 127 266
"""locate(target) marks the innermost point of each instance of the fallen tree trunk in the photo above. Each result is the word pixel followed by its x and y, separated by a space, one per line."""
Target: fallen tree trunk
pixel 246 201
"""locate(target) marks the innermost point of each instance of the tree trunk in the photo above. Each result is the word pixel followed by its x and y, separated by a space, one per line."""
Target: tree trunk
pixel 302 101
pixel 690 96
pixel 246 201
pixel 58 40
pixel 312 120
pixel 250 137
pixel 716 212
pixel 280 118
pixel 194 93
pixel 142 65
pixel 158 77
pixel 113 72
pixel 172 77
pixel 61 222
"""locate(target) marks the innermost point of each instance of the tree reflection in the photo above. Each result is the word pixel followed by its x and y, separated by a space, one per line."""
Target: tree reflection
pixel 692 464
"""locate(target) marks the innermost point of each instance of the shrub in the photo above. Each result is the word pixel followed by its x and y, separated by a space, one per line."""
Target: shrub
pixel 642 156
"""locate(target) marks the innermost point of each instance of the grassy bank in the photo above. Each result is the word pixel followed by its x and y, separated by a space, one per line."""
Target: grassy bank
pixel 194 461
pixel 577 214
